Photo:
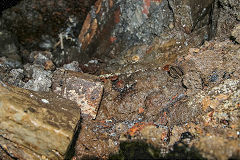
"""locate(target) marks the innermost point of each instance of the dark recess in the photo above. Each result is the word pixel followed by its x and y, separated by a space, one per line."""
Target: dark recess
pixel 5 4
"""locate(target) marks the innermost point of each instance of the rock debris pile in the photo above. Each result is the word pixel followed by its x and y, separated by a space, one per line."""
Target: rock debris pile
pixel 114 79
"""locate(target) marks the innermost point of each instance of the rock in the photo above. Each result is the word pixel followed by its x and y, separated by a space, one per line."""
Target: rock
pixel 16 77
pixel 110 28
pixel 40 57
pixel 232 7
pixel 236 33
pixel 43 58
pixel 190 15
pixel 8 43
pixel 217 147
pixel 10 63
pixel 36 125
pixel 156 135
pixel 79 87
pixel 193 81
pixel 133 22
pixel 39 79
pixel 74 66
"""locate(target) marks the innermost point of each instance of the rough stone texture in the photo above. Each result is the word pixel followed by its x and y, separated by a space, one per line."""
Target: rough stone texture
pixel 167 90
pixel 74 66
pixel 232 7
pixel 236 33
pixel 189 14
pixel 228 17
pixel 218 128
pixel 39 79
pixel 79 87
pixel 114 26
pixel 35 125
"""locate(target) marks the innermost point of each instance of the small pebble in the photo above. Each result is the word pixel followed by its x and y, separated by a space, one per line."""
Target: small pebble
pixel 45 101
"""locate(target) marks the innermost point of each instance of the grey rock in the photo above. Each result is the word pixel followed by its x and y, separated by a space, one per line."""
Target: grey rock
pixel 10 63
pixel 40 78
pixel 15 77
pixel 40 57
pixel 73 66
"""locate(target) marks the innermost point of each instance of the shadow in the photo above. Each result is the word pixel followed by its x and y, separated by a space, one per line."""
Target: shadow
pixel 71 148
pixel 7 4
pixel 142 150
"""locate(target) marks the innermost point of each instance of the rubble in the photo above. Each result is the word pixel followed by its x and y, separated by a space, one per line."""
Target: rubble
pixel 32 129
pixel 39 79
pixel 169 69
pixel 74 66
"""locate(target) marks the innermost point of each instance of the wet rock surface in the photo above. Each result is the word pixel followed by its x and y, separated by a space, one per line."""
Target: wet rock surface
pixel 154 79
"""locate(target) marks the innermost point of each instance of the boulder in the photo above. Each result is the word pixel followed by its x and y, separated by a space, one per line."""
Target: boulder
pixel 36 125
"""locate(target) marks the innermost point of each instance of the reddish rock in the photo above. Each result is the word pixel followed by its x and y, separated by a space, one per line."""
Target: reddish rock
pixel 79 87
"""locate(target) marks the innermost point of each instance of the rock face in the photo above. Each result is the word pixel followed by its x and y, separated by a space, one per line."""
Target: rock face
pixel 36 125
pixel 113 26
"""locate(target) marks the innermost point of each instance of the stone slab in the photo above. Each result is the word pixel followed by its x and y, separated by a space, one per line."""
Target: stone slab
pixel 34 124
pixel 81 88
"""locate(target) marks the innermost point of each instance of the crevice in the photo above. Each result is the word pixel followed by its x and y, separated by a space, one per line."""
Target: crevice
pixel 9 154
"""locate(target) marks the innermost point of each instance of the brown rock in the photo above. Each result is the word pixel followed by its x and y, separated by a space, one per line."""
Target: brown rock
pixel 81 88
pixel 236 33
pixel 35 125
pixel 215 147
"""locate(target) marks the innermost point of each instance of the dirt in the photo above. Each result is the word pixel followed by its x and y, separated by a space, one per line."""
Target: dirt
pixel 166 98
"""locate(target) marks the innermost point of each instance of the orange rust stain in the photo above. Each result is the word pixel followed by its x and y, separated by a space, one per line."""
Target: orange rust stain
pixel 120 84
pixel 163 136
pixel 94 27
pixel 113 78
pixel 117 16
pixel 113 39
pixel 110 3
pixel 104 80
pixel 140 110
pixel 211 114
pixel 145 11
pixel 166 67
pixel 98 6
pixel 174 97
pixel 85 27
pixel 146 6
pixel 147 3
pixel 137 127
